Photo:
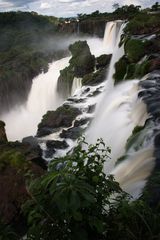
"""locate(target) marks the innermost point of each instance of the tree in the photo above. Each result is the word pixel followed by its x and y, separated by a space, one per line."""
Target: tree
pixel 156 7
pixel 115 6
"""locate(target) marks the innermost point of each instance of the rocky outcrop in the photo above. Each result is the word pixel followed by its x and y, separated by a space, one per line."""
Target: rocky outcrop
pixel 94 78
pixel 3 137
pixel 62 117
pixel 103 60
pixel 53 145
pixel 19 162
pixel 82 62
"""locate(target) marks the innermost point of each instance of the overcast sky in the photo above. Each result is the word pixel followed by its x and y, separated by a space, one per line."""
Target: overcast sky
pixel 66 8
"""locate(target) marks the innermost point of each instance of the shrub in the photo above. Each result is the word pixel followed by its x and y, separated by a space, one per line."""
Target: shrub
pixel 135 49
pixel 70 201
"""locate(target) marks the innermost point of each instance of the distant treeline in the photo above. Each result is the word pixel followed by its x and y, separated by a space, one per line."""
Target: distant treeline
pixel 26 47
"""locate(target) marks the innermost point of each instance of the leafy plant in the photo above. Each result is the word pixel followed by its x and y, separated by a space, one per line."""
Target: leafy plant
pixel 71 201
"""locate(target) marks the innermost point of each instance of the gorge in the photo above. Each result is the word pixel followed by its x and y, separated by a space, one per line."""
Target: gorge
pixel 104 89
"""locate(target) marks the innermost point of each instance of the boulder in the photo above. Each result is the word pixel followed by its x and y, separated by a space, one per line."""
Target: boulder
pixel 81 122
pixel 91 108
pixel 73 133
pixel 62 117
pixel 56 144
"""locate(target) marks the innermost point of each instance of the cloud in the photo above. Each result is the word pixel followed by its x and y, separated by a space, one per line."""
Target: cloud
pixel 65 8
pixel 45 5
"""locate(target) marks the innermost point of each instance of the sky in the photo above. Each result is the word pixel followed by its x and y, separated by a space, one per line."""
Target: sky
pixel 67 8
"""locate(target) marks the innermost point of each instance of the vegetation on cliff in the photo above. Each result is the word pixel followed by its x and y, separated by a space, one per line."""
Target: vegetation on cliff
pixel 27 45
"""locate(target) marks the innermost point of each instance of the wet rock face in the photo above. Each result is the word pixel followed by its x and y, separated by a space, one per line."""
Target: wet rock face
pixel 150 94
pixel 82 61
pixel 95 78
pixel 3 137
pixel 53 145
pixel 62 117
pixel 17 162
pixel 103 60
pixel 72 133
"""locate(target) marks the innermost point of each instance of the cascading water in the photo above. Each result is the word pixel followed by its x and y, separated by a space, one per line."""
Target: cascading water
pixel 23 120
pixel 77 84
pixel 110 36
pixel 118 112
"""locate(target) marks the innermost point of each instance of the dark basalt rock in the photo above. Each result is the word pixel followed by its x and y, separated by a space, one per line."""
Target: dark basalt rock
pixel 95 78
pixel 53 145
pixel 82 61
pixel 30 140
pixel 17 162
pixel 91 108
pixel 147 84
pixel 86 90
pixel 81 122
pixel 3 137
pixel 76 100
pixel 44 131
pixel 103 61
pixel 57 144
pixel 62 117
pixel 157 141
pixel 73 133
pixel 95 93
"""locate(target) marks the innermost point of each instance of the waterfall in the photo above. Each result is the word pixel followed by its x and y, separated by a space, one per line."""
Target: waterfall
pixel 23 120
pixel 133 172
pixel 117 114
pixel 76 85
pixel 110 35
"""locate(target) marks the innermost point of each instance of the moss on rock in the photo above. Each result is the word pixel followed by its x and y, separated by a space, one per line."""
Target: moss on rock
pixel 82 61
pixel 130 71
pixel 62 117
pixel 135 49
pixel 120 69
pixel 103 60
pixel 94 78
pixel 142 69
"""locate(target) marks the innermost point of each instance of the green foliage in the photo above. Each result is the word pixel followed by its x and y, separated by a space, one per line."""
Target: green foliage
pixel 6 232
pixel 82 62
pixel 136 138
pixel 133 221
pixel 143 23
pixel 156 6
pixel 76 200
pixel 26 48
pixel 130 71
pixel 120 69
pixel 11 157
pixel 135 49
pixel 142 69
pixel 70 201
pixel 94 78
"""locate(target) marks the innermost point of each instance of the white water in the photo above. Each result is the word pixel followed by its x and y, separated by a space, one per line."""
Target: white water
pixel 77 84
pixel 110 36
pixel 118 112
pixel 132 174
pixel 117 119
pixel 23 120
